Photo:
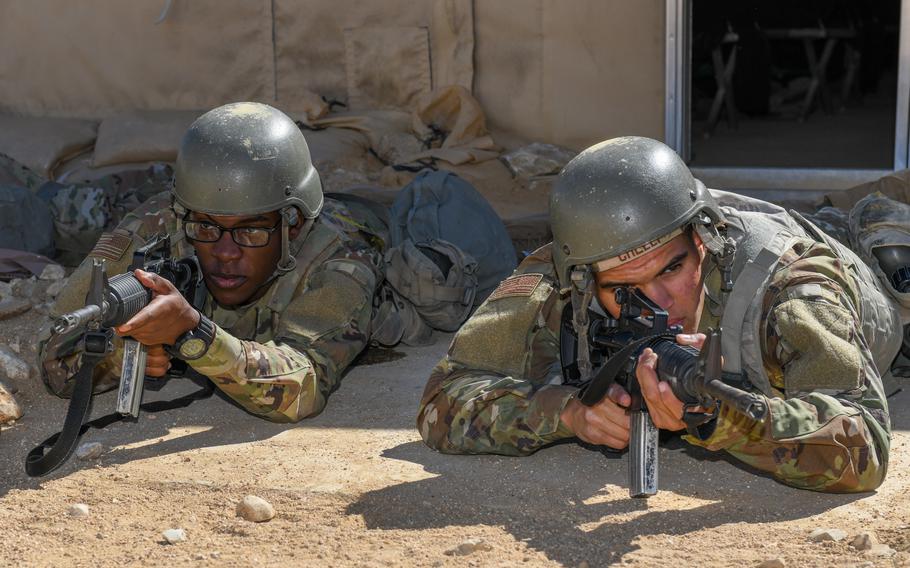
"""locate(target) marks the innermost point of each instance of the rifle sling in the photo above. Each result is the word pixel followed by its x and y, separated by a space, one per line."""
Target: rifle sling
pixel 594 391
pixel 41 460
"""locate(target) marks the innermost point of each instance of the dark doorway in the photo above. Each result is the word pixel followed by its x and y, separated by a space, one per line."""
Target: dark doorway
pixel 794 83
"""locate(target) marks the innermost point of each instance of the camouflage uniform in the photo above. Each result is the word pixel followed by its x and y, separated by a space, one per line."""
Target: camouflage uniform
pixel 499 389
pixel 82 211
pixel 278 357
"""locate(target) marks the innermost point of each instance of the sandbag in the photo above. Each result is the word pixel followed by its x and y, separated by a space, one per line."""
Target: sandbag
pixel 42 143
pixel 141 136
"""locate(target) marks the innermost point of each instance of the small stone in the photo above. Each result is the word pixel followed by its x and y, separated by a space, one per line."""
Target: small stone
pixel 255 509
pixel 12 366
pixel 468 547
pixel 78 510
pixel 173 536
pixel 821 535
pixel 773 563
pixel 55 287
pixel 12 307
pixel 199 556
pixel 52 272
pixel 9 408
pixel 23 287
pixel 880 551
pixel 89 451
pixel 215 554
pixel 864 541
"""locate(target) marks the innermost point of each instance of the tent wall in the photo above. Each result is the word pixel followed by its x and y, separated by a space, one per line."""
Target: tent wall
pixel 571 72
pixel 565 71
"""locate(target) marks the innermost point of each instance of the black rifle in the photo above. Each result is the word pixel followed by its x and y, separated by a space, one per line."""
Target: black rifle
pixel 693 375
pixel 108 304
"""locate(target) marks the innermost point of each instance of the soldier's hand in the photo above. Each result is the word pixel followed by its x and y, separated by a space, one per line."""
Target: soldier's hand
pixel 666 410
pixel 695 340
pixel 604 424
pixel 157 361
pixel 165 318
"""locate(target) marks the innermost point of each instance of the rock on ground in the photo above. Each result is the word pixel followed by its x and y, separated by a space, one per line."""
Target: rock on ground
pixel 9 408
pixel 255 509
pixel 12 307
pixel 773 563
pixel 173 536
pixel 881 551
pixel 864 541
pixel 52 272
pixel 78 510
pixel 12 366
pixel 89 451
pixel 469 547
pixel 821 535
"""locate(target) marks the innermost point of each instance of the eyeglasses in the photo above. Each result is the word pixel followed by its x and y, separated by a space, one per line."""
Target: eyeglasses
pixel 208 232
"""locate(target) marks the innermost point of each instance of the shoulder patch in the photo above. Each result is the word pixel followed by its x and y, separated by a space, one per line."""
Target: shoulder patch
pixel 111 246
pixel 520 285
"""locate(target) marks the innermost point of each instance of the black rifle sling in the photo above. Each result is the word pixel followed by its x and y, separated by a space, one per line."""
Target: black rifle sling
pixel 41 461
pixel 596 389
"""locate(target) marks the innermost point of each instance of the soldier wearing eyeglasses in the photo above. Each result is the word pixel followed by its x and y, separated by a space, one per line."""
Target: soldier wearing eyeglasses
pixel 290 274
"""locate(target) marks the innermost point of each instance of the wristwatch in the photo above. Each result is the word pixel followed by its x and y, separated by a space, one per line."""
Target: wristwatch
pixel 194 343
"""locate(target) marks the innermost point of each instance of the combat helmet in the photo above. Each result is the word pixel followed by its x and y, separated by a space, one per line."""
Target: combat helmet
pixel 247 158
pixel 618 200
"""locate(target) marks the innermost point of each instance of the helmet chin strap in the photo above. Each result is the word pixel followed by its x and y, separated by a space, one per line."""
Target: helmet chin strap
pixel 582 294
pixel 287 262
pixel 289 218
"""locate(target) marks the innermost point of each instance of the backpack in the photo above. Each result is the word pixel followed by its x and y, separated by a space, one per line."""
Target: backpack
pixel 448 251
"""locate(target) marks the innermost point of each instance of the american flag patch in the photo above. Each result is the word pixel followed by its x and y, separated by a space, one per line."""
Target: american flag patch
pixel 520 285
pixel 111 246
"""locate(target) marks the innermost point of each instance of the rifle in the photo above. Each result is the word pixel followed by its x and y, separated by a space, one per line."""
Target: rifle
pixel 694 376
pixel 108 304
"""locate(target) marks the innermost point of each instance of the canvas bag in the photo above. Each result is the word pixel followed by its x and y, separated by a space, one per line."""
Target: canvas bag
pixel 440 206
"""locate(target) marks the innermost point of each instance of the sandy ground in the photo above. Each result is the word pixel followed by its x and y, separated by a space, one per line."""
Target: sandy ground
pixel 355 486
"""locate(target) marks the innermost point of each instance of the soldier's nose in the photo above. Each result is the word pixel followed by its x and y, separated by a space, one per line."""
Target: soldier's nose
pixel 225 248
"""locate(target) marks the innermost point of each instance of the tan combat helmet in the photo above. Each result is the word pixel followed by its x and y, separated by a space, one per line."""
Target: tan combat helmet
pixel 248 158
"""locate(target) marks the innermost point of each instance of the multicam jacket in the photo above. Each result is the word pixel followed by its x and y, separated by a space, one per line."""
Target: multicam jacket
pixel 499 389
pixel 278 357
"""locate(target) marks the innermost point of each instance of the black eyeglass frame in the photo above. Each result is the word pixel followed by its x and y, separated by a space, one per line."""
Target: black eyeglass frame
pixel 221 231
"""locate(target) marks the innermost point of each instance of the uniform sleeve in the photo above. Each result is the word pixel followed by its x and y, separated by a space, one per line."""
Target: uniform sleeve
pixel 498 389
pixel 830 430
pixel 59 357
pixel 320 333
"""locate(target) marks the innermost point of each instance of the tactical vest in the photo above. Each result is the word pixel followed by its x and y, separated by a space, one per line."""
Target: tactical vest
pixel 761 239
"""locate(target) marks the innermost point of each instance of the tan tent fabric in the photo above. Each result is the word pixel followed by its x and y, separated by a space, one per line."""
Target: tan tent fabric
pixel 374 124
pixel 141 136
pixel 387 68
pixel 895 185
pixel 310 41
pixel 337 147
pixel 42 143
pixel 94 58
pixel 571 72
pixel 453 111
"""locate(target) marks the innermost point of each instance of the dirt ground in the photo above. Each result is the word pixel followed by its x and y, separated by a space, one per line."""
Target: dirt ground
pixel 355 486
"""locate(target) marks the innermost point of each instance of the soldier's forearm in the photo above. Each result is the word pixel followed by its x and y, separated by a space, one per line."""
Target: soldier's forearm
pixel 484 413
pixel 274 381
pixel 815 442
